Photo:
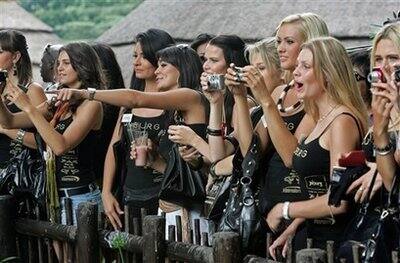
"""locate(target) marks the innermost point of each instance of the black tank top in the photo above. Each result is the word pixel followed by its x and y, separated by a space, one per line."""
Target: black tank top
pixel 281 183
pixel 143 183
pixel 76 167
pixel 312 163
pixel 10 148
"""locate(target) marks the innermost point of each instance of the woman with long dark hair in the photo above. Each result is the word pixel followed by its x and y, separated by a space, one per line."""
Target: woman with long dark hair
pixel 140 185
pixel 73 129
pixel 15 61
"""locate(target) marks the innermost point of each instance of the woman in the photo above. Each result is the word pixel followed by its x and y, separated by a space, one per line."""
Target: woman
pixel 200 43
pixel 15 60
pixel 178 68
pixel 385 102
pixel 113 76
pixel 220 52
pixel 280 182
pixel 47 63
pixel 140 185
pixel 324 79
pixel 73 129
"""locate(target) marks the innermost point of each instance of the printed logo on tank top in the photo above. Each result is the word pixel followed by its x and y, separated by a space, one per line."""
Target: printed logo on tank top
pixel 289 126
pixel 300 152
pixel 291 183
pixel 69 167
pixel 146 126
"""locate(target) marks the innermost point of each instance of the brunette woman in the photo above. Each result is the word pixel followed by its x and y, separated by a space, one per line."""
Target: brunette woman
pixel 15 61
pixel 140 185
pixel 324 79
pixel 73 129
pixel 178 66
pixel 113 78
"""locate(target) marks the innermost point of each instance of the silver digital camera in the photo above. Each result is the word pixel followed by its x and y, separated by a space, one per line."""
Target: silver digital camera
pixel 216 82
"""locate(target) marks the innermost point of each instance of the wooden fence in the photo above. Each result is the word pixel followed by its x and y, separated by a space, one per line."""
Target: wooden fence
pixel 32 240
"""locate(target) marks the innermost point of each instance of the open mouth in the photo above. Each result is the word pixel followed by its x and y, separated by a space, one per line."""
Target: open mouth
pixel 298 86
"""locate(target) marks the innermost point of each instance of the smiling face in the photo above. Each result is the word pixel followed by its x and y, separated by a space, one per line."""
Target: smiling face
pixel 6 59
pixel 65 72
pixel 306 83
pixel 288 41
pixel 272 77
pixel 166 76
pixel 386 55
pixel 215 62
pixel 142 67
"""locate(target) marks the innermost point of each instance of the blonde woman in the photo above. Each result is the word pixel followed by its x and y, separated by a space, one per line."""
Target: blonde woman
pixel 324 79
pixel 284 119
pixel 385 101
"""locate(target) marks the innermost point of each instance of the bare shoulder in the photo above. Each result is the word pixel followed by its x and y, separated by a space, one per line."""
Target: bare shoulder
pixel 345 123
pixel 35 88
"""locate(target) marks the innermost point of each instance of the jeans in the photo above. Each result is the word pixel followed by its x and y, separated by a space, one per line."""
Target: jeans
pixel 93 196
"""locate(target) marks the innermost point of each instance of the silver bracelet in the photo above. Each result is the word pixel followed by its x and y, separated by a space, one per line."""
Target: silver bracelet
pixel 285 210
pixel 20 136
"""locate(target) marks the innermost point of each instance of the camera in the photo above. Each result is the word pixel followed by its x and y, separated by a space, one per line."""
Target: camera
pixel 239 74
pixel 216 82
pixel 397 73
pixel 3 75
pixel 375 75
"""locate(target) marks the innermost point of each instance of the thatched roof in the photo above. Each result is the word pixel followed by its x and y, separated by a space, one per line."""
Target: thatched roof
pixel 37 33
pixel 348 20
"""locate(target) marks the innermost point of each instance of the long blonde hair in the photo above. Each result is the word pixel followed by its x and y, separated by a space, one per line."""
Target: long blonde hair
pixel 310 26
pixel 334 71
pixel 390 32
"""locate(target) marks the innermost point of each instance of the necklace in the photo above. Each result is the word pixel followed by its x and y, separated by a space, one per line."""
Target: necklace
pixel 282 97
pixel 327 114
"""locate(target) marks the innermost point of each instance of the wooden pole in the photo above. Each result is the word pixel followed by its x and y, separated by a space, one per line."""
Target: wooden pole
pixel 8 247
pixel 154 239
pixel 226 248
pixel 87 243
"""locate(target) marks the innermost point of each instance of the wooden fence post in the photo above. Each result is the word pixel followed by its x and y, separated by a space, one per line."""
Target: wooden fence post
pixel 8 246
pixel 311 255
pixel 87 240
pixel 154 239
pixel 226 247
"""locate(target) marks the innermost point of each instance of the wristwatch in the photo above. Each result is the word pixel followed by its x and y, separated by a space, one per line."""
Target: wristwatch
pixel 92 92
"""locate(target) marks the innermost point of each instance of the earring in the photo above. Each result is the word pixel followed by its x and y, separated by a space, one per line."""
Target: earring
pixel 15 69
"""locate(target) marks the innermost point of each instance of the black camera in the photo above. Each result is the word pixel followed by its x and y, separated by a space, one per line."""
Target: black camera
pixel 3 75
pixel 216 82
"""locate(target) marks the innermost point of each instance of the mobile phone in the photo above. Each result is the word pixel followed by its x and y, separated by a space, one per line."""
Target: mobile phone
pixel 352 159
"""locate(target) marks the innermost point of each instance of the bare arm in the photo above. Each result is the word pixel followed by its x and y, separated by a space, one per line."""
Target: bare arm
pixel 87 117
pixel 183 99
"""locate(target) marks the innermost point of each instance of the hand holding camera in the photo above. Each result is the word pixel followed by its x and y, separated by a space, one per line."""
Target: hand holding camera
pixel 385 87
pixel 212 90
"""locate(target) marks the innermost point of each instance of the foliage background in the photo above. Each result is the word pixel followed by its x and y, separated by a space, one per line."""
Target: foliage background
pixel 79 19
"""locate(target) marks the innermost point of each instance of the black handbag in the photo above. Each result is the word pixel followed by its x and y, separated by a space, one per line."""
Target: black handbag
pixel 377 234
pixel 241 214
pixel 216 198
pixel 182 185
pixel 25 175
